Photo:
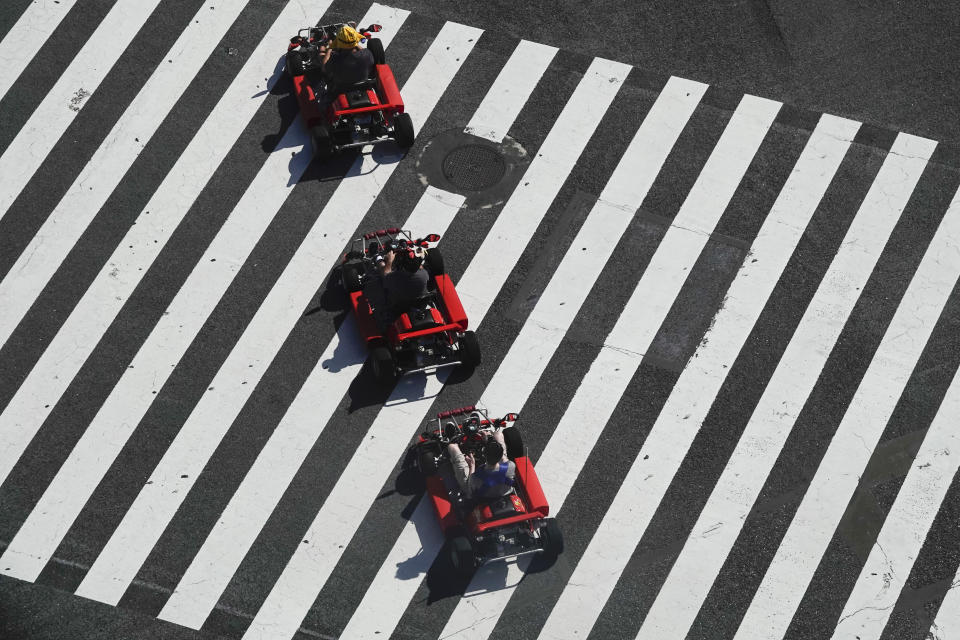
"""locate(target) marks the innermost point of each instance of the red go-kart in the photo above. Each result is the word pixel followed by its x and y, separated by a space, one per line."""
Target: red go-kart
pixel 422 334
pixel 344 117
pixel 479 531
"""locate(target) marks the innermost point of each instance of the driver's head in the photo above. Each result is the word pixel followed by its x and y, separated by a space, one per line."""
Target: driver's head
pixel 492 452
pixel 347 38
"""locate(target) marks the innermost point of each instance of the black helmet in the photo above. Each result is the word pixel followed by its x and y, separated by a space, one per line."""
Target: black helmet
pixel 492 452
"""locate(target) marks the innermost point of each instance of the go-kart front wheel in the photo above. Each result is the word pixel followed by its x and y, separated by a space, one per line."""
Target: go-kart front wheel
pixel 461 556
pixel 375 46
pixel 351 277
pixel 294 64
pixel 514 442
pixel 384 369
pixel 434 262
pixel 551 538
pixel 469 349
pixel 403 130
pixel 428 463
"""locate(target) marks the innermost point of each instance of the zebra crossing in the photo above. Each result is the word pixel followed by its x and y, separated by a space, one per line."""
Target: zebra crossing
pixel 196 438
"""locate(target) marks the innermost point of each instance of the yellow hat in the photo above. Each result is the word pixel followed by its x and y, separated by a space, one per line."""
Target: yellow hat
pixel 347 38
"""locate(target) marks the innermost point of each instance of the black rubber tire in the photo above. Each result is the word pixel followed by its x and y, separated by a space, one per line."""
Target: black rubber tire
pixel 351 277
pixel 428 463
pixel 461 556
pixel 384 369
pixel 469 349
pixel 322 142
pixel 403 130
pixel 375 46
pixel 514 442
pixel 435 262
pixel 552 538
pixel 294 64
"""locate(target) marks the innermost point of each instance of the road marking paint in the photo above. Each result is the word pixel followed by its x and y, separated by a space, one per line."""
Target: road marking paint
pixel 885 573
pixel 511 90
pixel 131 397
pixel 69 95
pixel 77 208
pixel 35 25
pixel 793 380
pixel 116 282
pixel 704 375
pixel 477 613
pixel 837 476
pixel 388 596
pixel 341 514
pixel 276 465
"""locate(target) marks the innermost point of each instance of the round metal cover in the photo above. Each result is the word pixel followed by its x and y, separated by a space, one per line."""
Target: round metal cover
pixel 474 167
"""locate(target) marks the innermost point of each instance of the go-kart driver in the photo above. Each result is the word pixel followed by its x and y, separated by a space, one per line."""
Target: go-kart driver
pixel 404 278
pixel 494 478
pixel 345 62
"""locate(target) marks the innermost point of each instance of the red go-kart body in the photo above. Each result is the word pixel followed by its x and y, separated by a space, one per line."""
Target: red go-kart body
pixel 479 531
pixel 428 333
pixel 344 117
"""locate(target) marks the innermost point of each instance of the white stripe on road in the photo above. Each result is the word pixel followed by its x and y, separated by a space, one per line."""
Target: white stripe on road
pixel 276 465
pixel 797 373
pixel 71 92
pixel 885 573
pixel 79 335
pixel 76 210
pixel 388 595
pixel 511 90
pixel 35 25
pixel 211 418
pixel 839 472
pixel 476 614
pixel 705 373
pixel 341 514
pixel 115 422
pixel 531 199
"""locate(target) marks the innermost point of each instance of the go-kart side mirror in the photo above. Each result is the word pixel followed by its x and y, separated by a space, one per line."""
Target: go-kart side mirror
pixel 511 417
pixel 432 238
pixel 374 28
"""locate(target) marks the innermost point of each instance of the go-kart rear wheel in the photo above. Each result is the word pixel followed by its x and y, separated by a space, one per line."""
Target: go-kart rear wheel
pixel 322 142
pixel 294 64
pixel 514 442
pixel 551 538
pixel 469 349
pixel 351 277
pixel 428 463
pixel 375 46
pixel 403 130
pixel 461 556
pixel 434 262
pixel 384 369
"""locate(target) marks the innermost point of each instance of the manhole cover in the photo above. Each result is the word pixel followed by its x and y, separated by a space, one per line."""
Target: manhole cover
pixel 474 167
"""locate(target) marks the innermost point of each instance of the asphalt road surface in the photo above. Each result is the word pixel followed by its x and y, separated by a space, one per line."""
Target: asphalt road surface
pixel 710 253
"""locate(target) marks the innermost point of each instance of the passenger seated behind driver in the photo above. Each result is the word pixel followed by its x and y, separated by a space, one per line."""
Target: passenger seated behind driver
pixel 492 479
pixel 404 278
pixel 345 62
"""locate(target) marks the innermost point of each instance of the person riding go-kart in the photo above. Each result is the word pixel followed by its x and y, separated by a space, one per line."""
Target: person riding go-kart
pixel 347 94
pixel 497 510
pixel 405 305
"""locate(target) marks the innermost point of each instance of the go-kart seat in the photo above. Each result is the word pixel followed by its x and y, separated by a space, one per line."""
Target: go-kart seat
pixel 356 93
pixel 419 313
